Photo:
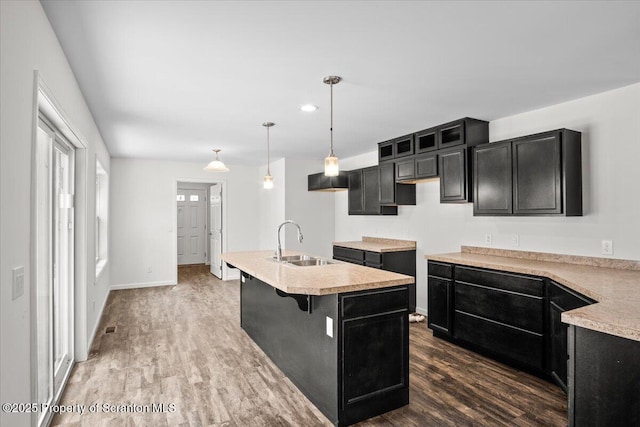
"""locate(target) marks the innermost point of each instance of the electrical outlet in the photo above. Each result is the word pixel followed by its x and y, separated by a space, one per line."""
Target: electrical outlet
pixel 149 269
pixel 487 239
pixel 515 240
pixel 18 282
pixel 607 247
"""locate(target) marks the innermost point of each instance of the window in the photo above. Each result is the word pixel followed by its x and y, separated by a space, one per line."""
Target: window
pixel 102 214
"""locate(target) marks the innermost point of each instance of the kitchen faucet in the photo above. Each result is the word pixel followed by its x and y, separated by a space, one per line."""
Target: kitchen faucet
pixel 279 249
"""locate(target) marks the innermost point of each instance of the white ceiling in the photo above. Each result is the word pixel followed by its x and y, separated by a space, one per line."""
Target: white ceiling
pixel 174 79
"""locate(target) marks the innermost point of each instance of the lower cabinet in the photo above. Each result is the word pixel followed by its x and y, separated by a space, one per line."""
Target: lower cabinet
pixel 403 262
pixel 513 317
pixel 561 299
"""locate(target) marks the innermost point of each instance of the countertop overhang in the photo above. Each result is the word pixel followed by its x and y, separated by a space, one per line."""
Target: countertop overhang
pixel 616 290
pixel 334 278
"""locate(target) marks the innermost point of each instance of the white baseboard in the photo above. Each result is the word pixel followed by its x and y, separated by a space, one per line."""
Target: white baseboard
pixel 98 319
pixel 421 310
pixel 140 285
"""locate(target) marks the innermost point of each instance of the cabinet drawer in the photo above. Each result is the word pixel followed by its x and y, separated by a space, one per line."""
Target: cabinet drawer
pixel 374 302
pixel 440 269
pixel 502 340
pixel 505 281
pixel 522 311
pixel 348 254
pixel 373 257
pixel 566 299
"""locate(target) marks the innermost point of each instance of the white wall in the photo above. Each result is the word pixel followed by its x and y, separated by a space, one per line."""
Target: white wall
pixel 271 208
pixel 143 216
pixel 28 43
pixel 610 126
pixel 313 210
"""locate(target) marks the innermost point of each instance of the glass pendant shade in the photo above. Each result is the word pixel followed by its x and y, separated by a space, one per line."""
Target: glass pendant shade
pixel 331 167
pixel 216 165
pixel 267 182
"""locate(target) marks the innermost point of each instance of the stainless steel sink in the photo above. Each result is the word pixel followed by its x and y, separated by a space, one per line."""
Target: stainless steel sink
pixel 303 260
pixel 311 262
pixel 291 258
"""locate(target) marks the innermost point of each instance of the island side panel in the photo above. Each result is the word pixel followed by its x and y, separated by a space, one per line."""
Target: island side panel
pixel 295 340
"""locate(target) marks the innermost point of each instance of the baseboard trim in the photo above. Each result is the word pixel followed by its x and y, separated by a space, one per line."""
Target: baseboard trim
pixel 97 324
pixel 421 310
pixel 140 285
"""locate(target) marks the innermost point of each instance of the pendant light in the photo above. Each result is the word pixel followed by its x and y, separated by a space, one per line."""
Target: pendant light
pixel 331 167
pixel 216 165
pixel 267 182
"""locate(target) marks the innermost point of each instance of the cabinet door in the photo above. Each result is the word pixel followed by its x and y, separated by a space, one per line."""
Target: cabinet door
pixel 453 176
pixel 376 355
pixel 425 141
pixel 371 190
pixel 426 166
pixel 439 305
pixel 451 134
pixel 405 170
pixel 356 196
pixel 403 146
pixel 537 176
pixel 386 151
pixel 387 183
pixel 492 192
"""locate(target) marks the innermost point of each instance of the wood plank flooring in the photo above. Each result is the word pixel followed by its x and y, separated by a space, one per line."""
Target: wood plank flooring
pixel 183 345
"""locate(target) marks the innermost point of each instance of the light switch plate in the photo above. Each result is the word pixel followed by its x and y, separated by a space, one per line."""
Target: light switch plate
pixel 330 326
pixel 18 282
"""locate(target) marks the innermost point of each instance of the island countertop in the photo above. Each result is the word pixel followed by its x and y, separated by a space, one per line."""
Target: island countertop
pixel 614 284
pixel 328 279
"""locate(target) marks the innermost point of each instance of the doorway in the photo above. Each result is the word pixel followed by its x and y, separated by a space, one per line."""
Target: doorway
pixel 200 224
pixel 54 246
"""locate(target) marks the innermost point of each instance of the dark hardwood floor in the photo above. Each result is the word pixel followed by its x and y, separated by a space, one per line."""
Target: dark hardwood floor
pixel 183 345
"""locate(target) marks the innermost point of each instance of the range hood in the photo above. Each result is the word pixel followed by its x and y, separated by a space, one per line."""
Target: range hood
pixel 320 182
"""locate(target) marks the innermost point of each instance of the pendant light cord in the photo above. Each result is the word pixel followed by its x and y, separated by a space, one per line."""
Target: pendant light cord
pixel 331 128
pixel 268 157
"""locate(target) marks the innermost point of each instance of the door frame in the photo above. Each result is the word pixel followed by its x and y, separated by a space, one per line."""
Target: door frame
pixel 174 220
pixel 44 102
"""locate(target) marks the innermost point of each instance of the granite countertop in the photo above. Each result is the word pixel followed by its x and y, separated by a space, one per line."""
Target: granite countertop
pixel 328 279
pixel 614 284
pixel 379 244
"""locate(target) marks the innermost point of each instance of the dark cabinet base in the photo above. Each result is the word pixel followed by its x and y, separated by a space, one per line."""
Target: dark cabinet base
pixel 361 371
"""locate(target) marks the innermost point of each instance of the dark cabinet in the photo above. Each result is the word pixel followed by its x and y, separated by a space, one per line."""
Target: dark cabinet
pixel 604 379
pixel 492 183
pixel 320 182
pixel 561 299
pixel 403 262
pixel 453 176
pixel 364 193
pixel 425 141
pixel 498 313
pixel 386 151
pixel 533 175
pixel 396 148
pixel 375 336
pixel 440 297
pixel 417 168
pixel 451 134
pixel 391 192
pixel 356 194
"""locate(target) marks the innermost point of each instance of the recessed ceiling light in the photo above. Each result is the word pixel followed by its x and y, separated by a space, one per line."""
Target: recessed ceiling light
pixel 308 108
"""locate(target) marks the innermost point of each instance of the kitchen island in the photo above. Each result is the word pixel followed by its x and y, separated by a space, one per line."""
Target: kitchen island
pixel 338 331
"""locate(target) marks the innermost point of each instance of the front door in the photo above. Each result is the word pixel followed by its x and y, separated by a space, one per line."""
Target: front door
pixel 215 232
pixel 192 226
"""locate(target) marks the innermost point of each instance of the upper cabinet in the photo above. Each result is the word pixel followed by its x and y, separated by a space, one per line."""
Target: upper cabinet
pixel 538 174
pixel 442 151
pixel 364 193
pixel 392 192
pixel 321 182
